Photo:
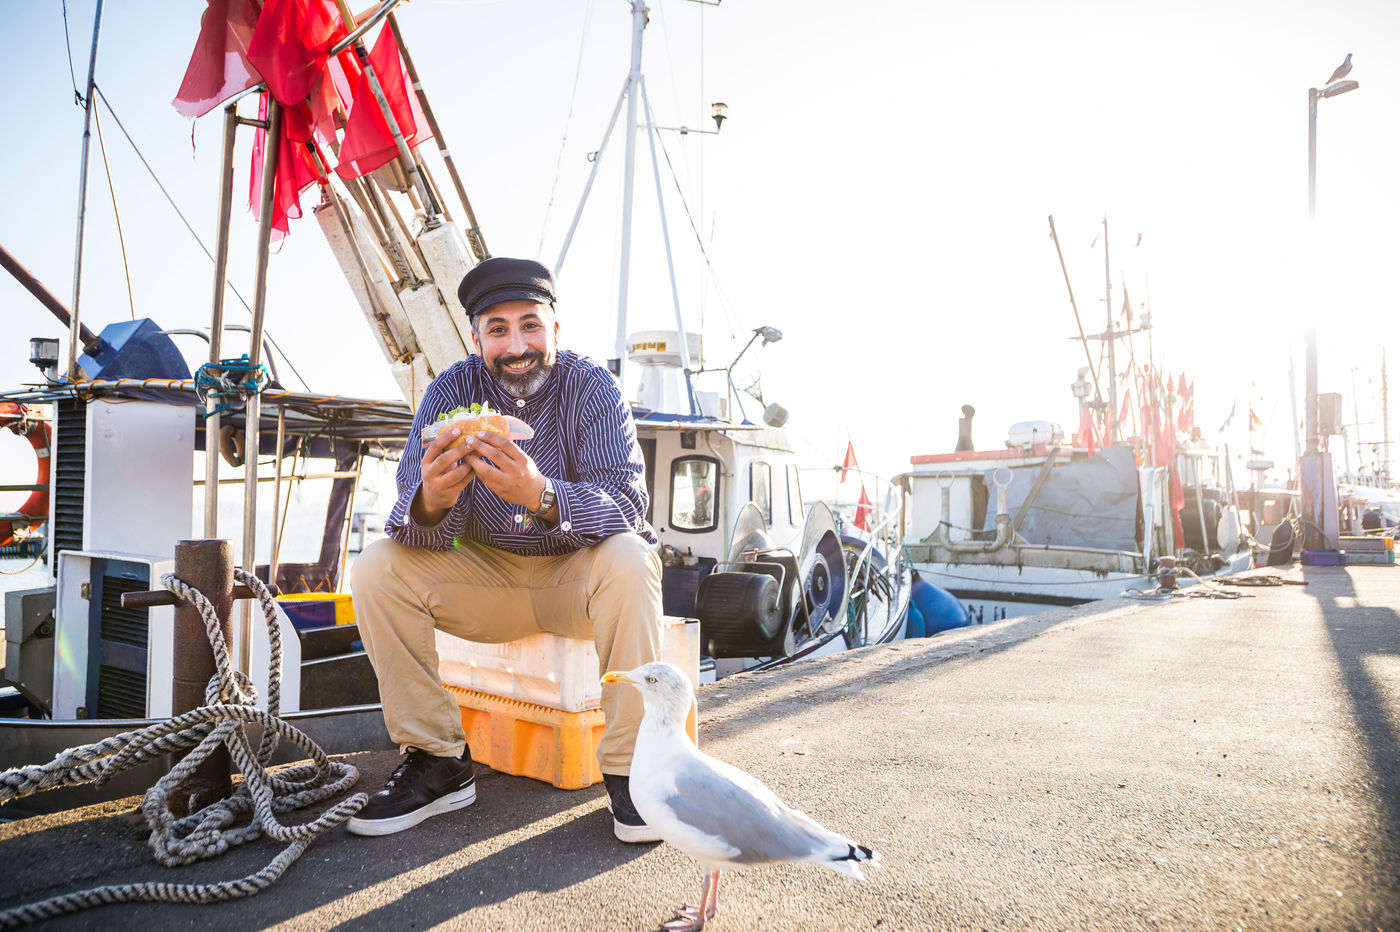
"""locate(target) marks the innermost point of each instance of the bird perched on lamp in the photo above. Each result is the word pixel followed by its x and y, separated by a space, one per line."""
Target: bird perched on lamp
pixel 716 813
pixel 1342 71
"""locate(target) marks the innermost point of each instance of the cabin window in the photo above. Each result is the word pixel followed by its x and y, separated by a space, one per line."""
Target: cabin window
pixel 695 494
pixel 797 510
pixel 761 489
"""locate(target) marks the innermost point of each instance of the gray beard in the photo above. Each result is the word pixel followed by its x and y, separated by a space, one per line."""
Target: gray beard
pixel 522 386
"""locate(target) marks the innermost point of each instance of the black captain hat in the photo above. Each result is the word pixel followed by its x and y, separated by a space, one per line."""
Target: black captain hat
pixel 502 279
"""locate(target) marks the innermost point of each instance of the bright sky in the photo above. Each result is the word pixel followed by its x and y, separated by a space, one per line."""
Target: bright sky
pixel 879 194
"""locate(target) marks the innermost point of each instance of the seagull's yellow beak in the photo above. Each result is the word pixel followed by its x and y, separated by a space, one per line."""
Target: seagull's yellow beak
pixel 615 676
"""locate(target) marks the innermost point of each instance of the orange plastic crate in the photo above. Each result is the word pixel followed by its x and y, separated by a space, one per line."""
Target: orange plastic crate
pixel 528 740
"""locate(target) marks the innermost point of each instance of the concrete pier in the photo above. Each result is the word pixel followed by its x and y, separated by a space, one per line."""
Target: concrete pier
pixel 1195 764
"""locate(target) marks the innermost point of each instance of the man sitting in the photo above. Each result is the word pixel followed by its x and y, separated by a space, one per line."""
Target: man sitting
pixel 494 540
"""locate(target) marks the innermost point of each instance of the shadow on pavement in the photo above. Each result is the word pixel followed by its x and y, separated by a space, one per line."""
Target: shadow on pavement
pixel 1360 633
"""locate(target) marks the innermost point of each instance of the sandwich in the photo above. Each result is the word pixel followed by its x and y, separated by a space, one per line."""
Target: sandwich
pixel 474 419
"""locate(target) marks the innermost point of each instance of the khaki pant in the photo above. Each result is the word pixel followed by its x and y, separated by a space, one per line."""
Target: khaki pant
pixel 610 592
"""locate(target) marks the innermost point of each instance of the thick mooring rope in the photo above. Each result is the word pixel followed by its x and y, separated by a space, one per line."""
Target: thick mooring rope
pixel 230 704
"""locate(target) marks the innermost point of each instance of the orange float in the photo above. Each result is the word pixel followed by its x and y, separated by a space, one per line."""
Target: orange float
pixel 15 417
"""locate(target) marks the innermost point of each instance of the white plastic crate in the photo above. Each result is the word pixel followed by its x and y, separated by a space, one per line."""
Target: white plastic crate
pixel 553 671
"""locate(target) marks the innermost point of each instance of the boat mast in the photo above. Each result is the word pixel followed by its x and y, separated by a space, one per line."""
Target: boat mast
pixel 629 163
pixel 1112 418
pixel 1385 423
pixel 75 327
pixel 634 87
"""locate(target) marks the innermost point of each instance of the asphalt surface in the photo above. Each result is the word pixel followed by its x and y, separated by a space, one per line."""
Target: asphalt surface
pixel 1194 764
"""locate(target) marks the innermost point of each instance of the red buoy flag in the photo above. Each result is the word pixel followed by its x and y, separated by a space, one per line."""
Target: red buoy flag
pixel 368 141
pixel 219 67
pixel 850 461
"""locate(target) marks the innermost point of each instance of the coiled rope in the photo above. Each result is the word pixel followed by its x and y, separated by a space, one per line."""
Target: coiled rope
pixel 230 704
pixel 229 379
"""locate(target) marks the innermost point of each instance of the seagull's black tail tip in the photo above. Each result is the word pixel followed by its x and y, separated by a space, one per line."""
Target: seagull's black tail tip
pixel 859 853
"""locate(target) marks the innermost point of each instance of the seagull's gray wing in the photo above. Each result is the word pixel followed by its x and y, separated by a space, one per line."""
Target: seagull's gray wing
pixel 743 815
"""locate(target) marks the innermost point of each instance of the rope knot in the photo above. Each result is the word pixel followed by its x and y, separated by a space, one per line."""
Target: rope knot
pixel 231 382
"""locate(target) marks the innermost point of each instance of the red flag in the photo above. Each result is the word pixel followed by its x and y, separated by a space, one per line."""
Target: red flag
pixel 1085 436
pixel 863 510
pixel 330 97
pixel 1123 413
pixel 296 170
pixel 1178 502
pixel 850 461
pixel 291 43
pixel 1127 308
pixel 1254 420
pixel 219 66
pixel 368 142
pixel 1186 419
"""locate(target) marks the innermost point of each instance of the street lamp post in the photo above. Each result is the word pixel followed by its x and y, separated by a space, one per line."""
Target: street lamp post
pixel 1315 467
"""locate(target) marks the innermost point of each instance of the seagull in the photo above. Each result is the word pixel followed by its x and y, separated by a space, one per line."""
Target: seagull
pixel 1342 71
pixel 714 812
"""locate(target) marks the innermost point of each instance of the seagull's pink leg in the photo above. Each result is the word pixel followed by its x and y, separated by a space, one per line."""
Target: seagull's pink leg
pixel 714 896
pixel 692 918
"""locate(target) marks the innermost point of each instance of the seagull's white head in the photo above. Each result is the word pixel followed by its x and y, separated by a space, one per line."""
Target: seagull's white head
pixel 662 685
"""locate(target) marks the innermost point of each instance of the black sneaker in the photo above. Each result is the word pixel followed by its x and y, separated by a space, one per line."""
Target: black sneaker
pixel 421 787
pixel 627 825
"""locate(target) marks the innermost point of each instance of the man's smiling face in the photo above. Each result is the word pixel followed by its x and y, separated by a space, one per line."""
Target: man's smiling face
pixel 518 341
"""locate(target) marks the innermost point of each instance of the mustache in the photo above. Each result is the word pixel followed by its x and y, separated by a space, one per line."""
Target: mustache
pixel 502 361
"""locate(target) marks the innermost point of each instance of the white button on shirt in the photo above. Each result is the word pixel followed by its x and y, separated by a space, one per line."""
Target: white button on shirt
pixel 565 526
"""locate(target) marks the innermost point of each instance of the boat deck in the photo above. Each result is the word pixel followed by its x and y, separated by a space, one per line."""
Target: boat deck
pixel 1195 764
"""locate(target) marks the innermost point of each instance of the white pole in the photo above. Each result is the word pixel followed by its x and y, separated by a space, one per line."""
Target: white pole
pixel 634 77
pixel 252 411
pixel 666 239
pixel 74 326
pixel 592 174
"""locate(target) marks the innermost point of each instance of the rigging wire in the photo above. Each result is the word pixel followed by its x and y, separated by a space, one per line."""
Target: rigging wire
pixel 699 239
pixel 176 207
pixel 116 212
pixel 68 47
pixel 568 120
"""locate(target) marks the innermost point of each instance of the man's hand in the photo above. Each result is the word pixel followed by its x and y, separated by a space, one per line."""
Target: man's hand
pixel 445 474
pixel 506 469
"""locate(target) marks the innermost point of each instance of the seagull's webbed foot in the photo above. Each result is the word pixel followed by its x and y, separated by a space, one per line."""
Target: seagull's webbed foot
pixel 692 918
pixel 687 919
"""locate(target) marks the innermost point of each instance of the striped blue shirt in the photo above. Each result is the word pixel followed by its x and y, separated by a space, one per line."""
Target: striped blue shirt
pixel 585 442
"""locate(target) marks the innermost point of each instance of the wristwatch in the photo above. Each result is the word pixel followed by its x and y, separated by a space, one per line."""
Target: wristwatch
pixel 546 499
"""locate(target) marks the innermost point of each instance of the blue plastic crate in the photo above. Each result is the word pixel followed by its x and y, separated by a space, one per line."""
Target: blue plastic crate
pixel 1324 557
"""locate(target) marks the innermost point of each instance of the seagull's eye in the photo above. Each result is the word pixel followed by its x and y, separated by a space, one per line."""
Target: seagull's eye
pixel 651 679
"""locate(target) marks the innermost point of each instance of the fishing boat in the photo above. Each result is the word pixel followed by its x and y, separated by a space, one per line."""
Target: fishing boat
pixel 1047 519
pixel 772 579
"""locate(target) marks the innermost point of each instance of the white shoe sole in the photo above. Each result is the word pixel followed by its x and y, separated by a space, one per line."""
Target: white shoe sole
pixel 458 800
pixel 635 834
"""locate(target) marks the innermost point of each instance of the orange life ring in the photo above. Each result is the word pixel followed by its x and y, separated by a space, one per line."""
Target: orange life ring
pixel 15 417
